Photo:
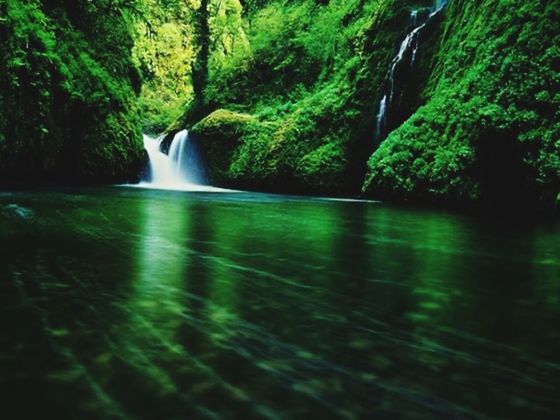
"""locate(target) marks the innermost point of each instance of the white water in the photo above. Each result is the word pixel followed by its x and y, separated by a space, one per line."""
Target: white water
pixel 410 41
pixel 414 16
pixel 179 170
pixel 381 120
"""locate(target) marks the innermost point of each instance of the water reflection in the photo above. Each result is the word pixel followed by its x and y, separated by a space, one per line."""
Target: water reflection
pixel 165 305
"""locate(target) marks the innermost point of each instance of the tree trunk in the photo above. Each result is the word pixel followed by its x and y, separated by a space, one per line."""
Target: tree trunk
pixel 200 66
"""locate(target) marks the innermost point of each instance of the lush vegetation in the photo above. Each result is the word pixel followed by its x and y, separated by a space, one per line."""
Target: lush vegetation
pixel 310 72
pixel 164 53
pixel 67 92
pixel 490 128
pixel 283 95
pixel 477 119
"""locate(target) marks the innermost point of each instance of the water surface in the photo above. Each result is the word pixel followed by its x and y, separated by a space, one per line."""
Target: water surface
pixel 129 303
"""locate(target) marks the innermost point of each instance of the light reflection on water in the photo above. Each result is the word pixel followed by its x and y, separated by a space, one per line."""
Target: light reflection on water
pixel 151 304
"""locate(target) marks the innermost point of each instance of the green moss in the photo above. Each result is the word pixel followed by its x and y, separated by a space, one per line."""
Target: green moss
pixel 324 168
pixel 417 160
pixel 479 119
pixel 68 94
pixel 164 55
pixel 489 130
pixel 218 135
pixel 224 124
pixel 294 151
pixel 314 72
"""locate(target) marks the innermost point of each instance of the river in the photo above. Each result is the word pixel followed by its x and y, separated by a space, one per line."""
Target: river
pixel 130 303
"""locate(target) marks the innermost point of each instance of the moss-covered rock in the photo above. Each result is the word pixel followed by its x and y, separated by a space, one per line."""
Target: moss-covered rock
pixel 294 154
pixel 218 136
pixel 223 124
pixel 288 155
pixel 324 169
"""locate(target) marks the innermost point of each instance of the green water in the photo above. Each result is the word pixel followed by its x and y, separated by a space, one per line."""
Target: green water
pixel 128 303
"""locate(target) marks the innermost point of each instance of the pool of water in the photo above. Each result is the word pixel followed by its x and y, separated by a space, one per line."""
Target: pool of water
pixel 132 303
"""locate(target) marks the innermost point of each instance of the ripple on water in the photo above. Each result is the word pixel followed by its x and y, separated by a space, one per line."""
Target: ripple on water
pixel 17 211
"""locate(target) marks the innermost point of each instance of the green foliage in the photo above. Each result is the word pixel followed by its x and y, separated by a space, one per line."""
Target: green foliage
pixel 417 160
pixel 480 115
pixel 300 67
pixel 301 81
pixel 296 151
pixel 218 136
pixel 164 56
pixel 324 167
pixel 490 129
pixel 68 95
pixel 289 45
pixel 223 123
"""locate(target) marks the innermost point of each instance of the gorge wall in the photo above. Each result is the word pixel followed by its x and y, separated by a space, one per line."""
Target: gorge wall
pixel 475 118
pixel 384 98
pixel 67 93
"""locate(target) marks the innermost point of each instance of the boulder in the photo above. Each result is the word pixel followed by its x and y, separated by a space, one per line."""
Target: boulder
pixel 217 136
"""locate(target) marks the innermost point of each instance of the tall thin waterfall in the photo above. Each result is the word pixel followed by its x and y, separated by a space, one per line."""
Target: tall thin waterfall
pixel 408 49
pixel 178 169
pixel 381 117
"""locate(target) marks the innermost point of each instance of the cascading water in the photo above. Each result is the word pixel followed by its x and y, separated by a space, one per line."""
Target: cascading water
pixel 381 121
pixel 179 169
pixel 411 41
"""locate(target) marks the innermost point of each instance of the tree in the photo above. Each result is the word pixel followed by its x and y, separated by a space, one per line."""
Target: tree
pixel 200 65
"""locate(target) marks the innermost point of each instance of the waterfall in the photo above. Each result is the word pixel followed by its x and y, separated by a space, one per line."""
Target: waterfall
pixel 179 169
pixel 381 120
pixel 408 48
pixel 414 16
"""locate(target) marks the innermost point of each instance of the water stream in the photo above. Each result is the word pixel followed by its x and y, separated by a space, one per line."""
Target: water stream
pixel 408 51
pixel 132 303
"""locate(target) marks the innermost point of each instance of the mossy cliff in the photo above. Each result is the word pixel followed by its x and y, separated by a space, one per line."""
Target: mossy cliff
pixel 490 126
pixel 67 93
pixel 476 120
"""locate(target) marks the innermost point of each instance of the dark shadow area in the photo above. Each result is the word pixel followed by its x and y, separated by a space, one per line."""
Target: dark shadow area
pixel 505 180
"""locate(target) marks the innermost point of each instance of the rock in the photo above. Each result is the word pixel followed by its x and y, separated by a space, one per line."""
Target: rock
pixel 217 137
pixel 224 125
